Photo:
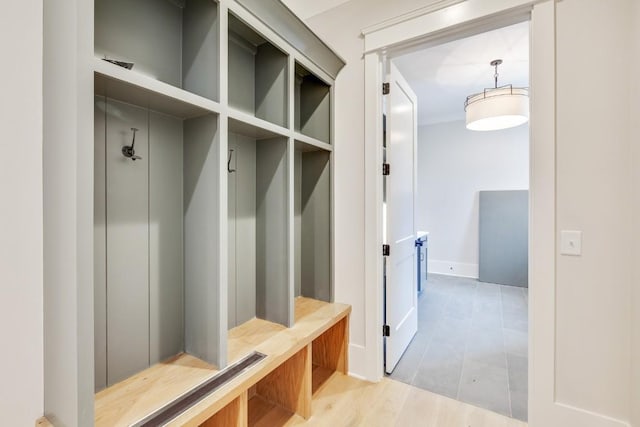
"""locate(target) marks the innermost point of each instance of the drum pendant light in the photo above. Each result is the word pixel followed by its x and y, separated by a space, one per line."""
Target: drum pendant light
pixel 500 107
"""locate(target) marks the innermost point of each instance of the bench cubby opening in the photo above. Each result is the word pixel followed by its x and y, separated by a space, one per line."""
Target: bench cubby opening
pixel 330 354
pixel 283 393
pixel 232 415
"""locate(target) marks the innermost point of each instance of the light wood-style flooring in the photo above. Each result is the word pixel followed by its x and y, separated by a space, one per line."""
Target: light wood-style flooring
pixel 338 400
pixel 343 401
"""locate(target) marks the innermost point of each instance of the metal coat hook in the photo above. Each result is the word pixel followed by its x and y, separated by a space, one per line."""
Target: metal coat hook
pixel 128 150
pixel 229 162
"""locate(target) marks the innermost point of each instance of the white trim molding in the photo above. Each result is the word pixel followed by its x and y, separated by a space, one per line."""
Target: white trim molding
pixel 454 22
pixel 451 268
pixel 436 5
pixel 427 28
pixel 372 368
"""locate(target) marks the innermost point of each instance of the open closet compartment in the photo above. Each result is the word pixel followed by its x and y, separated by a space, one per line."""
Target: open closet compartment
pixel 258 254
pixel 312 222
pixel 312 100
pixel 257 74
pixel 156 286
pixel 173 41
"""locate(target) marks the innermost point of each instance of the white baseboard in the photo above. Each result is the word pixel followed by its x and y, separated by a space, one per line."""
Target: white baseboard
pixel 354 375
pixel 357 361
pixel 574 416
pixel 450 268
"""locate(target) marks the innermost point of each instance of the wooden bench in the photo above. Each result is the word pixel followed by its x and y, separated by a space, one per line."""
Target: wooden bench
pixel 281 386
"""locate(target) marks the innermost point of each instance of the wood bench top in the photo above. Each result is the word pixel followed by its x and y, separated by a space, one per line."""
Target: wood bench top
pixel 134 398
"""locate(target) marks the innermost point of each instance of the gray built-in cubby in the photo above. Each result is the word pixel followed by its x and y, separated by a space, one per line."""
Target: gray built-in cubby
pixel 173 41
pixel 258 284
pixel 165 253
pixel 258 77
pixel 312 101
pixel 312 222
pixel 153 244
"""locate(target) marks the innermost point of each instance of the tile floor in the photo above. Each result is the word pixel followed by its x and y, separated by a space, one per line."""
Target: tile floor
pixel 471 344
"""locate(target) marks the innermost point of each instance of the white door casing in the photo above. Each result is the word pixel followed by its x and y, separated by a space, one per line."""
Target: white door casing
pixel 401 297
pixel 438 26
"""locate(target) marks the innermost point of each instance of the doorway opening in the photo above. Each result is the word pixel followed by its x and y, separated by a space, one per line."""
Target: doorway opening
pixel 470 223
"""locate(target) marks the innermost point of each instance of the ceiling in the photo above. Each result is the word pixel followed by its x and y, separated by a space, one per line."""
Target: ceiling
pixel 443 76
pixel 307 8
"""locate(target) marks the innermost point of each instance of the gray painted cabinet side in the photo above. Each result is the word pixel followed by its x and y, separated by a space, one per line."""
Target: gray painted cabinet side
pixel 165 237
pixel 127 243
pixel 200 48
pixel 297 94
pixel 203 314
pixel 297 223
pixel 145 32
pixel 315 109
pixel 245 228
pixel 271 84
pixel 316 225
pixel 100 244
pixel 272 284
pixel 241 74
pixel 232 267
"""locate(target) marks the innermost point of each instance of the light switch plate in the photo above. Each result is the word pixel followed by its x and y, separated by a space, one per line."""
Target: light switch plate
pixel 571 242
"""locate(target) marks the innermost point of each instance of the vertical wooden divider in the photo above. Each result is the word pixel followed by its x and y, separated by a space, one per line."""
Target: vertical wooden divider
pixel 243 410
pixel 289 385
pixel 235 414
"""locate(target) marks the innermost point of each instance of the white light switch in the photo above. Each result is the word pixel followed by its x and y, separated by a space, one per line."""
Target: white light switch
pixel 571 242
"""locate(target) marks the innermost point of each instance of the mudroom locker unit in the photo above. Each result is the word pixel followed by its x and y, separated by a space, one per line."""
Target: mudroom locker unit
pixel 200 134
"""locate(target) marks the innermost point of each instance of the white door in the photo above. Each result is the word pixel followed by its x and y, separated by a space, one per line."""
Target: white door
pixel 401 297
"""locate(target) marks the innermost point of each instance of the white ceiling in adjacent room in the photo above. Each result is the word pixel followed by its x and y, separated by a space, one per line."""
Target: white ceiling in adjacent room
pixel 443 76
pixel 308 8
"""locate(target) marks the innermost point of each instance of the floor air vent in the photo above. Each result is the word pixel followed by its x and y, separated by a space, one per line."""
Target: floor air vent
pixel 172 409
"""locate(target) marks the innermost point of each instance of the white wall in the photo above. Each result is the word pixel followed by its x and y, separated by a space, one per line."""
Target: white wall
pixel 591 362
pixel 594 193
pixel 635 130
pixel 305 8
pixel 340 28
pixel 68 105
pixel 21 330
pixel 454 164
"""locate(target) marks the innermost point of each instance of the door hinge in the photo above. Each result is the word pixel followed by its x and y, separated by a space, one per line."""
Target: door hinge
pixel 386 169
pixel 386 331
pixel 386 250
pixel 386 88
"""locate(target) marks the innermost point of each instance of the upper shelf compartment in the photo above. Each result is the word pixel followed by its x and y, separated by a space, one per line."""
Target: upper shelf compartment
pixel 312 105
pixel 137 89
pixel 173 41
pixel 257 74
pixel 275 15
